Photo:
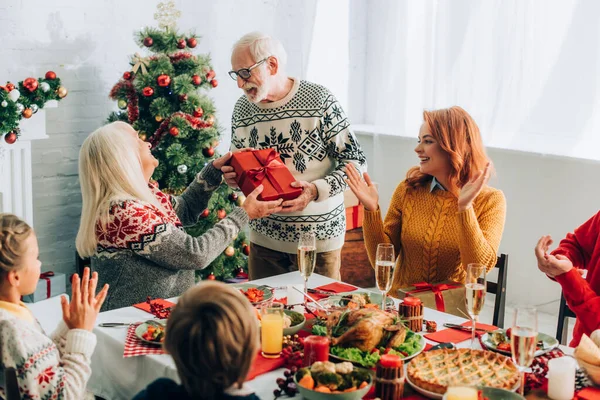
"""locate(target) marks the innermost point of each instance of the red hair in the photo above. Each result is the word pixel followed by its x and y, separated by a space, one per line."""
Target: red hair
pixel 459 137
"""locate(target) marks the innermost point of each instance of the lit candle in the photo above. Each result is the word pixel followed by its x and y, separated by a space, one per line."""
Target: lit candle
pixel 316 348
pixel 461 393
pixel 561 378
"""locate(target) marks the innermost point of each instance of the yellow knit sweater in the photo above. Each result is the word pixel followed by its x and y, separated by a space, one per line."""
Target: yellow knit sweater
pixel 431 238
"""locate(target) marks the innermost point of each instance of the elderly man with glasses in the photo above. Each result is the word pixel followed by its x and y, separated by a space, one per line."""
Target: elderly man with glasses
pixel 305 123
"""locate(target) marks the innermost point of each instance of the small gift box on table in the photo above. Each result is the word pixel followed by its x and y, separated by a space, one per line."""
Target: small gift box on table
pixel 50 284
pixel 448 296
pixel 354 217
pixel 264 167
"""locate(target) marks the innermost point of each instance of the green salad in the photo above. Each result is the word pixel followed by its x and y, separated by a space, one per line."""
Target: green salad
pixel 411 345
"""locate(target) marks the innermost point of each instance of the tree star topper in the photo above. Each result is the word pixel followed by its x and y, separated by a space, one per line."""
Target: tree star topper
pixel 167 15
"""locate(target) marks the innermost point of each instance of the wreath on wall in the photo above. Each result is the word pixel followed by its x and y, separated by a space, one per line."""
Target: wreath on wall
pixel 24 100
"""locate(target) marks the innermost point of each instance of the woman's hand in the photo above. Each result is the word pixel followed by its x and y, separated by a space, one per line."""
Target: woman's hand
pixel 221 161
pixel 260 209
pixel 549 264
pixel 469 192
pixel 85 305
pixel 365 191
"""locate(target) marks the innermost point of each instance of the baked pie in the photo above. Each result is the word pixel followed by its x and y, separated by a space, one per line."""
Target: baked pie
pixel 435 370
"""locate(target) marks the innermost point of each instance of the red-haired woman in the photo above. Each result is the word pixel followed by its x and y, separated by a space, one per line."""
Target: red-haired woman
pixel 443 216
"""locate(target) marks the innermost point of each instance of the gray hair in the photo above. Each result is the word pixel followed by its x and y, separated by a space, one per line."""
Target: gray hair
pixel 262 46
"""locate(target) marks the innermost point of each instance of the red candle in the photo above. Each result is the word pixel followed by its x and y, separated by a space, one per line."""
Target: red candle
pixel 411 301
pixel 316 348
pixel 390 361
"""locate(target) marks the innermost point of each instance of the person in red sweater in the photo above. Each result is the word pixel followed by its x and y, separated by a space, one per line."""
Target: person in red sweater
pixel 575 254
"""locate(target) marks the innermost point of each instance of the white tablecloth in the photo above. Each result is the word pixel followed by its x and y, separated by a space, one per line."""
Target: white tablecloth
pixel 115 377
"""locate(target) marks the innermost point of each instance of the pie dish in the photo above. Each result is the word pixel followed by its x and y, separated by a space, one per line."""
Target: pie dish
pixel 435 370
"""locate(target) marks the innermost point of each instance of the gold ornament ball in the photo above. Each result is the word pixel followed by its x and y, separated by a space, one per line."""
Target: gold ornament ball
pixel 240 200
pixel 62 92
pixel 122 104
pixel 229 251
pixel 142 136
pixel 158 118
pixel 27 113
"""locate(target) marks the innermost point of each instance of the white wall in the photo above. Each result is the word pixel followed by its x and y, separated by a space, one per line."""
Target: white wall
pixel 88 44
pixel 544 194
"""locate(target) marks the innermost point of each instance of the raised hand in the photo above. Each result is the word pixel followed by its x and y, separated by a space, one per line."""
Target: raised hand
pixel 471 189
pixel 82 311
pixel 309 193
pixel 365 191
pixel 260 209
pixel 549 264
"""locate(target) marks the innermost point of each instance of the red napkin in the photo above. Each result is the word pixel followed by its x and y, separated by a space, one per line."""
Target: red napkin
pixel 588 393
pixel 262 365
pixel 335 287
pixel 146 307
pixel 454 335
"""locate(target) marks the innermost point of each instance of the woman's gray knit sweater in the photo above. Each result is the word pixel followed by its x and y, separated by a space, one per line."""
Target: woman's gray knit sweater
pixel 144 251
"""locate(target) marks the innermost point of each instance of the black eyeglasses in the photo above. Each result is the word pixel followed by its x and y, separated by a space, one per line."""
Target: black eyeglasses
pixel 245 73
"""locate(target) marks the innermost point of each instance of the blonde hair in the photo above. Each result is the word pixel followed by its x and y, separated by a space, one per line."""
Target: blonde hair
pixel 110 170
pixel 212 334
pixel 262 46
pixel 13 232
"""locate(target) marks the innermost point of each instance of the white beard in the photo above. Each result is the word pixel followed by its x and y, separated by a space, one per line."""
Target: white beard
pixel 260 92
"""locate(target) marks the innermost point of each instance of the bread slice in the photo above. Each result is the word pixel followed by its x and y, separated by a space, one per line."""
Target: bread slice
pixel 588 351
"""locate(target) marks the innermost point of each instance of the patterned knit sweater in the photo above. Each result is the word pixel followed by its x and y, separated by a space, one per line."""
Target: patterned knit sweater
pixel 434 241
pixel 144 251
pixel 309 129
pixel 56 367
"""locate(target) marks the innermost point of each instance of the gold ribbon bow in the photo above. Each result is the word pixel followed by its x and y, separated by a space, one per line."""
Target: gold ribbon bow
pixel 139 62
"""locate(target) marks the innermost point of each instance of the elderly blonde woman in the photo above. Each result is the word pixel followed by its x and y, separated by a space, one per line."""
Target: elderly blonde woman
pixel 134 233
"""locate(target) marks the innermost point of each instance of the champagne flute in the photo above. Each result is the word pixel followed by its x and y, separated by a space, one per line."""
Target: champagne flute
pixel 307 256
pixel 384 269
pixel 475 285
pixel 523 339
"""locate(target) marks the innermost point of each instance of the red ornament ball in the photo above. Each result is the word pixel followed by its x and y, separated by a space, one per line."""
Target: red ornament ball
pixel 192 42
pixel 221 214
pixel 198 112
pixel 240 274
pixel 181 44
pixel 183 97
pixel 246 249
pixel 174 131
pixel 163 80
pixel 30 84
pixel 148 41
pixel 196 80
pixel 233 196
pixel 208 152
pixel 147 91
pixel 211 74
pixel 51 75
pixel 214 83
pixel 204 213
pixel 127 75
pixel 10 138
pixel 9 87
pixel 211 277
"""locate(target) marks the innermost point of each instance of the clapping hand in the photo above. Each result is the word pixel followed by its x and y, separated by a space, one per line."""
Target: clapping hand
pixel 471 189
pixel 549 264
pixel 82 311
pixel 365 191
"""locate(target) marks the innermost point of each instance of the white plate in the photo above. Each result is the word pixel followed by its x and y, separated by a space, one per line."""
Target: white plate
pixel 141 328
pixel 405 359
pixel 437 396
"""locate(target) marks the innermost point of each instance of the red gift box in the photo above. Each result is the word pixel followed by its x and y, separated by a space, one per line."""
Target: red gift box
pixel 265 167
pixel 354 217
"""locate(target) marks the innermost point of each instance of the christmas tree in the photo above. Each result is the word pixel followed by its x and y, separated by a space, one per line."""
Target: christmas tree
pixel 163 96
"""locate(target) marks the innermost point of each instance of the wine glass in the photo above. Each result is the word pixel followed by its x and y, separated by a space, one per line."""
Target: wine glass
pixel 384 269
pixel 475 285
pixel 523 339
pixel 307 256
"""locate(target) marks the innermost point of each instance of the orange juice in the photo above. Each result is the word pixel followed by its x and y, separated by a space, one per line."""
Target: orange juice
pixel 271 335
pixel 461 393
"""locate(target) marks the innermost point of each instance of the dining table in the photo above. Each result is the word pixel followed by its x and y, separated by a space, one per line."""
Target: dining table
pixel 115 377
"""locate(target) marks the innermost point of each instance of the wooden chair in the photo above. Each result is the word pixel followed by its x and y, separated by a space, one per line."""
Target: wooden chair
pixel 499 289
pixel 81 263
pixel 564 312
